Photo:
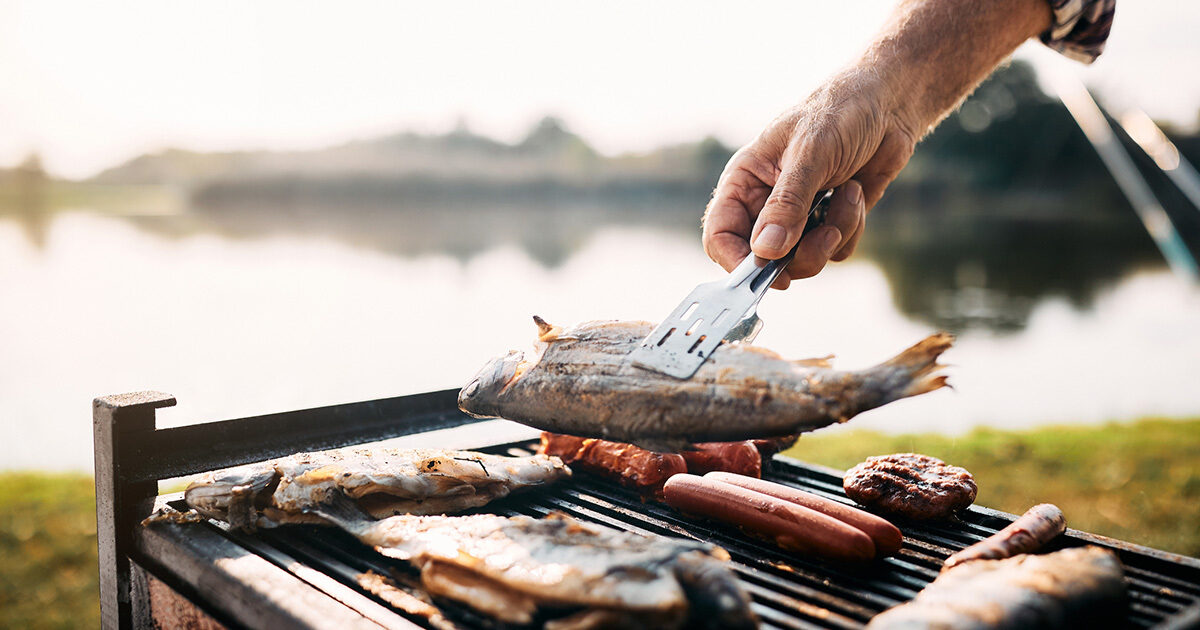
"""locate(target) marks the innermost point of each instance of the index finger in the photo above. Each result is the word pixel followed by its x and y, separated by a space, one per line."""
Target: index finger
pixel 727 226
pixel 730 215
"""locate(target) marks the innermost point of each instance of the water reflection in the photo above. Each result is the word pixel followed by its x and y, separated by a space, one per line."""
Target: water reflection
pixel 259 281
pixel 243 326
pixel 1005 206
pixel 23 192
pixel 954 270
pixel 989 273
pixel 956 255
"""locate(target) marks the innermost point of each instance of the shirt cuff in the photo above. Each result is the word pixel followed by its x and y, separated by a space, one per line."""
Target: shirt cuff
pixel 1080 28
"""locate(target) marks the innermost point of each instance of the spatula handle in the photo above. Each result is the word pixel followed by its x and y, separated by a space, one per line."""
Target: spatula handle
pixel 760 278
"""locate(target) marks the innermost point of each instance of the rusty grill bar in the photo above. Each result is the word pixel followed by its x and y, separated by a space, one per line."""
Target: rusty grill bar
pixel 789 591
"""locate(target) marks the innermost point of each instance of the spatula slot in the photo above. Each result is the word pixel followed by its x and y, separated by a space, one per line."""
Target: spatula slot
pixel 720 309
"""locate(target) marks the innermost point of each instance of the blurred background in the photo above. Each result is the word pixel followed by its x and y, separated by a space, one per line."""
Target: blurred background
pixel 285 205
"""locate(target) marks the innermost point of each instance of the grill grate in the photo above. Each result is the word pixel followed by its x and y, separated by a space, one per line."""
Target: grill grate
pixel 789 591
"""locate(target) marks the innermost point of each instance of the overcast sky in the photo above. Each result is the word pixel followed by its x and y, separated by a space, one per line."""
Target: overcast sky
pixel 89 85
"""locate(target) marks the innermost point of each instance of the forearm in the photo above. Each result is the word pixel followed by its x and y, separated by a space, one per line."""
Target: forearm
pixel 934 52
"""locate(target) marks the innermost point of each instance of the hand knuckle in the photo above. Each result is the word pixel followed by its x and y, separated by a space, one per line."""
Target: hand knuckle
pixel 788 203
pixel 806 271
pixel 806 268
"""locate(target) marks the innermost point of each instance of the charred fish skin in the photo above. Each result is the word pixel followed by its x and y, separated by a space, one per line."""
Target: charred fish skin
pixel 580 381
pixel 410 482
pixel 1081 587
pixel 383 482
pixel 510 567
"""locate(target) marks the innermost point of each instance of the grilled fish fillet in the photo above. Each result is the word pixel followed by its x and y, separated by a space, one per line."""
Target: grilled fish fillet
pixel 580 381
pixel 1080 587
pixel 512 567
pixel 382 482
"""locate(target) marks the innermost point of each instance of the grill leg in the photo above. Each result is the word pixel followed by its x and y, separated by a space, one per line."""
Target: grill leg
pixel 119 424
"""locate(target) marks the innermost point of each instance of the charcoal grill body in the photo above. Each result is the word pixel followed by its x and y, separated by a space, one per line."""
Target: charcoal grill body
pixel 206 576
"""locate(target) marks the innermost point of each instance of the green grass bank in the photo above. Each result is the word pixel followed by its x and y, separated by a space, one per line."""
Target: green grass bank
pixel 1136 481
pixel 48 570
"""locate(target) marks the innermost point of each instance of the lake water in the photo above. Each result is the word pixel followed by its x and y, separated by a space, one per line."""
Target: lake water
pixel 235 325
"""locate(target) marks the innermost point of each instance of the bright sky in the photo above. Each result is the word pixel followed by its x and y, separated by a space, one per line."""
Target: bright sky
pixel 89 85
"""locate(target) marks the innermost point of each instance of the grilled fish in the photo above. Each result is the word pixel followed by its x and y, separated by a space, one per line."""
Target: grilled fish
pixel 580 381
pixel 382 482
pixel 514 568
pixel 1082 587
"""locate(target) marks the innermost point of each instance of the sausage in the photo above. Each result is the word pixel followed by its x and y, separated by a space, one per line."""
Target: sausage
pixel 1033 529
pixel 739 457
pixel 791 526
pixel 886 537
pixel 643 470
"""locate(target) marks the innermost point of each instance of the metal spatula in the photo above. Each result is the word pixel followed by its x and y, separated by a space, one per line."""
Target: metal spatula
pixel 717 311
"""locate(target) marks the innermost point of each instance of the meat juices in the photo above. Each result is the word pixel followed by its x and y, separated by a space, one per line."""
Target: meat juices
pixel 912 485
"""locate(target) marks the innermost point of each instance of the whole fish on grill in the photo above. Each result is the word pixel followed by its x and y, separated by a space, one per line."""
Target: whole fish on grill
pixel 580 381
pixel 1082 587
pixel 382 482
pixel 521 569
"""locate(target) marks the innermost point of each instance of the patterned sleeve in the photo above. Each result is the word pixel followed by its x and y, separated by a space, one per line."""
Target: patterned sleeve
pixel 1080 28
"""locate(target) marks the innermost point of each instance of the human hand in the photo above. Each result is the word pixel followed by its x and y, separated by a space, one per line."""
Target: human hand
pixel 849 134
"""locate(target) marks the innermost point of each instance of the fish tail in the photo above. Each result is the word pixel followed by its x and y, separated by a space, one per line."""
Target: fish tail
pixel 919 364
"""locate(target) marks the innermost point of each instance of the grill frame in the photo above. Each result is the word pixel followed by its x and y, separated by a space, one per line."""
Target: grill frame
pixel 297 579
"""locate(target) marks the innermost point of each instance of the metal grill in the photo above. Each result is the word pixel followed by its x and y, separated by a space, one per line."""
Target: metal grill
pixel 789 590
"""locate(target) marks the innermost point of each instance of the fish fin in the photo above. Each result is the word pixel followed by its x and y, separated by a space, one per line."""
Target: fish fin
pixel 920 361
pixel 766 352
pixel 337 508
pixel 546 331
pixel 168 514
pixel 819 362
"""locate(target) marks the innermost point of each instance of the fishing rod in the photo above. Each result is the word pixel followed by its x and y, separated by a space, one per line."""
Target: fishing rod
pixel 1165 154
pixel 1095 126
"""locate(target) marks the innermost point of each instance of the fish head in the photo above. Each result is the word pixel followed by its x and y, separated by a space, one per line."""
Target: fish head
pixel 481 394
pixel 233 495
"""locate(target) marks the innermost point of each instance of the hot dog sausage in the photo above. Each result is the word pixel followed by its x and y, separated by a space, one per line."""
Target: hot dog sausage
pixel 791 526
pixel 887 537
pixel 1033 529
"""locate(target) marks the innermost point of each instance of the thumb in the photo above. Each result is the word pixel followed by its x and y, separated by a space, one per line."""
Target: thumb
pixel 784 214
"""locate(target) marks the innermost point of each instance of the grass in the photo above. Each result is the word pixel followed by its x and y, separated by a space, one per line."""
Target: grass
pixel 1137 481
pixel 48 574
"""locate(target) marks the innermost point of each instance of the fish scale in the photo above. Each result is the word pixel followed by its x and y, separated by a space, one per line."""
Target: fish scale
pixel 715 312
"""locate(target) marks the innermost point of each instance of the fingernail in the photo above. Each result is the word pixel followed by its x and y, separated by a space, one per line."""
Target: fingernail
pixel 830 240
pixel 771 237
pixel 854 194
